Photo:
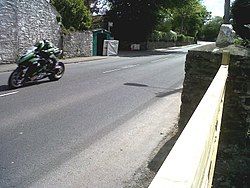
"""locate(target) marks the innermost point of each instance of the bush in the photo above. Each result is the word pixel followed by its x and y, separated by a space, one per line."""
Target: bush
pixel 211 29
pixel 159 36
pixel 239 41
pixel 184 39
pixel 163 36
pixel 180 38
pixel 156 36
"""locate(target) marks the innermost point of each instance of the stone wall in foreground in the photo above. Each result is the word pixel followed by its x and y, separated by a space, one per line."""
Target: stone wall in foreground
pixel 233 164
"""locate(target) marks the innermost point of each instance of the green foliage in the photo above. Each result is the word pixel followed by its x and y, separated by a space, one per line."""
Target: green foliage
pixel 164 20
pixel 180 38
pixel 248 132
pixel 211 29
pixel 189 18
pixel 97 7
pixel 240 15
pixel 184 39
pixel 159 36
pixel 171 3
pixel 163 36
pixel 74 14
pixel 133 19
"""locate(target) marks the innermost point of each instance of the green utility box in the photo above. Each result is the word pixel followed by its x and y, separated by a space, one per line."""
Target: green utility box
pixel 99 35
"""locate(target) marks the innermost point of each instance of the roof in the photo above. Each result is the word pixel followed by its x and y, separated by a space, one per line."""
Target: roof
pixel 101 30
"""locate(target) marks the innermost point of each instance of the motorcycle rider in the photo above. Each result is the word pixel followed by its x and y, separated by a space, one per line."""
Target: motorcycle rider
pixel 47 51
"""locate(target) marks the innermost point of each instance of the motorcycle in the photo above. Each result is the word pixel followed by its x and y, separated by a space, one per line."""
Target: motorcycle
pixel 40 68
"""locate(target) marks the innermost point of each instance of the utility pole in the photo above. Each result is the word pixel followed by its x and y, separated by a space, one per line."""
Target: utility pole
pixel 227 12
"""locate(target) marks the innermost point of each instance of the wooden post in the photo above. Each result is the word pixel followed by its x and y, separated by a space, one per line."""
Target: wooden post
pixel 225 57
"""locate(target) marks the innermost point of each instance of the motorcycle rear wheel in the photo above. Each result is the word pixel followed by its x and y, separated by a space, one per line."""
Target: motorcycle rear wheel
pixel 59 71
pixel 16 79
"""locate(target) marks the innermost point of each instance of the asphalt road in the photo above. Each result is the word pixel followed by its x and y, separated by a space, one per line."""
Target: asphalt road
pixel 96 127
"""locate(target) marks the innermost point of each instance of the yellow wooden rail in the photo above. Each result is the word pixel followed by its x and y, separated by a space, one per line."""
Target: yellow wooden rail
pixel 191 161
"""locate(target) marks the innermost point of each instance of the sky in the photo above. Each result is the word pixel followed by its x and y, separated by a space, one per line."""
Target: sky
pixel 215 6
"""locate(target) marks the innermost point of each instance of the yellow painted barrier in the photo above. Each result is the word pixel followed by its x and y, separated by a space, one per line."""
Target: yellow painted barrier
pixel 190 164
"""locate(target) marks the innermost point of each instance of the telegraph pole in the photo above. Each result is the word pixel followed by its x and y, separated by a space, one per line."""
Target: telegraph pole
pixel 227 12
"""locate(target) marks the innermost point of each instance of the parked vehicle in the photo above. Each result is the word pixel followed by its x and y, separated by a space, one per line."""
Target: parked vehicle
pixel 33 67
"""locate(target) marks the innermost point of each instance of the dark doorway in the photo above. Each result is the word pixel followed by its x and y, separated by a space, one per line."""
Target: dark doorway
pixel 100 38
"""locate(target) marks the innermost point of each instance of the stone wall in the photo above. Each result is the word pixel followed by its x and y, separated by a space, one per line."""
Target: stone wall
pixel 8 31
pixel 22 23
pixel 233 161
pixel 149 45
pixel 78 44
pixel 158 45
pixel 200 69
pixel 36 20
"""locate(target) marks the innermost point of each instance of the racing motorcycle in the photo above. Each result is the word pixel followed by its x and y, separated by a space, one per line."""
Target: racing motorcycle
pixel 33 67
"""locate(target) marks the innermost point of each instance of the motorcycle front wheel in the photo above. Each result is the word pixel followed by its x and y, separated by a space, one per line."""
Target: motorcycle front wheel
pixel 58 72
pixel 16 79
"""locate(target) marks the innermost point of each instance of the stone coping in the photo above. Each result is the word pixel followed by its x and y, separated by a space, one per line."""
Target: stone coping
pixel 234 50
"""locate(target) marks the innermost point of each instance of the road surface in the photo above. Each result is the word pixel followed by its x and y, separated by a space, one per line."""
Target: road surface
pixel 96 127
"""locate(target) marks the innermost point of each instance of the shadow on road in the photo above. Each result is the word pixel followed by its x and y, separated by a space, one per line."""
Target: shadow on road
pixel 165 93
pixel 136 84
pixel 28 84
pixel 38 82
pixel 149 53
pixel 4 88
pixel 155 164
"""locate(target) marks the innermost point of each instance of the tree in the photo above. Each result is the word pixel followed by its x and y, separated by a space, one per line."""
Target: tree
pixel 97 7
pixel 241 19
pixel 74 14
pixel 211 29
pixel 134 20
pixel 189 18
pixel 164 20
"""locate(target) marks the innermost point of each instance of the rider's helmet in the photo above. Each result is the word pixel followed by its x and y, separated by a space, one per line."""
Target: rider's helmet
pixel 39 45
pixel 48 44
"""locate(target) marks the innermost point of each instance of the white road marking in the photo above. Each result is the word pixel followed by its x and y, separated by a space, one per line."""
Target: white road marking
pixel 7 94
pixel 112 70
pixel 157 60
pixel 122 68
pixel 129 66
